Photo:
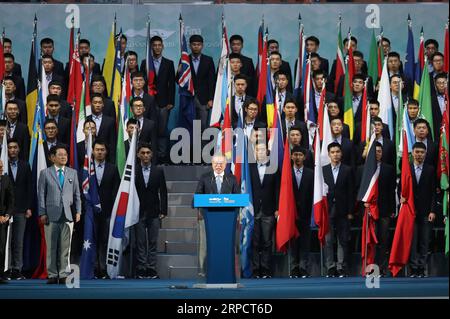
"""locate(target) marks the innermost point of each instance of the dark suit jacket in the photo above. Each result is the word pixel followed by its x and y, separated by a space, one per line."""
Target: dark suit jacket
pixel 304 195
pixel 370 92
pixel 148 134
pixel 437 115
pixel 57 69
pixel 286 67
pixel 109 109
pixel 81 152
pixel 432 153
pixel 107 190
pixel 107 132
pixel 386 188
pixel 7 201
pixel 20 87
pixel 204 79
pixel 357 133
pixel 150 107
pixel 425 198
pixel 348 155
pixel 22 186
pixel 266 194
pixel 17 69
pixel 389 154
pixel 22 135
pixel 165 82
pixel 303 129
pixel 63 129
pixel 23 114
pixel 153 197
pixel 66 110
pixel 207 184
pixel 341 193
pixel 47 153
pixel 332 76
pixel 234 115
pixel 249 70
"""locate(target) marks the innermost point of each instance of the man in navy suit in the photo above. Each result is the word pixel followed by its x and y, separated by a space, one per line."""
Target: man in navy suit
pixel 312 44
pixel 339 179
pixel 247 68
pixel 203 75
pixel 303 185
pixel 152 192
pixel 47 49
pixel 53 110
pixel 7 48
pixel 425 202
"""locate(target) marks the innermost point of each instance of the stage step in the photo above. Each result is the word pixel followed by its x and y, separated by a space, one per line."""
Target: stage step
pixel 179 222
pixel 183 272
pixel 178 234
pixel 168 261
pixel 181 186
pixel 182 211
pixel 177 199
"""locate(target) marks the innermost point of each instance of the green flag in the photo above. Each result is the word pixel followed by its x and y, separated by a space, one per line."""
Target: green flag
pixel 348 105
pixel 425 99
pixel 373 59
pixel 120 149
pixel 443 154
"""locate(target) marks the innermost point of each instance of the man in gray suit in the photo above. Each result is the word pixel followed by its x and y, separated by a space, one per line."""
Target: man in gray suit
pixel 59 192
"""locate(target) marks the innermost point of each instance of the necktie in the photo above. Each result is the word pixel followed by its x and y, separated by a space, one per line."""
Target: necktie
pixel 219 183
pixel 61 177
pixel 418 173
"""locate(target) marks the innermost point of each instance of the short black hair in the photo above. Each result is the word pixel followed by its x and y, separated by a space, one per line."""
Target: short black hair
pixel 144 145
pixel 313 39
pixel 419 145
pixel 8 55
pixel 420 121
pixel 280 72
pixel 11 102
pixel 85 41
pixel 296 128
pixel 9 78
pixel 236 37
pixel 413 102
pixel 314 55
pixel 50 121
pixel 441 75
pixel 276 53
pixel 54 98
pixel 128 53
pixel 385 40
pixel 359 76
pixel 432 41
pixel 272 41
pixel 437 53
pixel 47 41
pixel 56 147
pixel 332 118
pixel 155 38
pixel 93 95
pixel 396 75
pixel 7 40
pixel 374 101
pixel 250 101
pixel 290 100
pixel 359 54
pixel 87 55
pixel 123 36
pixel 318 72
pixel 376 119
pixel 196 38
pixel 234 56
pixel 131 121
pixel 54 82
pixel 137 99
pixel 298 149
pixel 137 75
pixel 393 55
pixel 334 144
pixel 13 140
pixel 47 56
pixel 378 144
pixel 241 76
pixel 100 141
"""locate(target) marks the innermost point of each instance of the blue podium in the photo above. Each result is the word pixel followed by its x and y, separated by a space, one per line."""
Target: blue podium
pixel 220 213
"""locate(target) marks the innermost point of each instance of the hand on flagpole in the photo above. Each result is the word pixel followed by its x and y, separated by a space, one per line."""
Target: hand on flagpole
pixel 431 217
pixel 77 217
pixel 402 200
pixel 28 213
pixel 350 216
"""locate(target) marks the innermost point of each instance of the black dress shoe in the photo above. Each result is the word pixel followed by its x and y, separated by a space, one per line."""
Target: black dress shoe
pixel 304 273
pixel 52 281
pixel 332 272
pixel 152 274
pixel 341 273
pixel 414 273
pixel 295 273
pixel 17 275
pixel 3 281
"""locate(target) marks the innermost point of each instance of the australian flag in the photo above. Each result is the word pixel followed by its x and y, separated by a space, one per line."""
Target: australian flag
pixel 92 206
pixel 186 90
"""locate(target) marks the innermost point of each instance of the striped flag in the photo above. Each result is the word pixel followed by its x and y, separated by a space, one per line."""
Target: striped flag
pixel 446 49
pixel 349 117
pixel 222 81
pixel 368 193
pixel 373 59
pixel 340 66
pixel 124 113
pixel 246 217
pixel 262 65
pixel 32 83
pixel 365 123
pixel 320 203
pixel 92 200
pixel 125 213
pixel 327 138
pixel 75 81
pixel 419 67
pixel 2 60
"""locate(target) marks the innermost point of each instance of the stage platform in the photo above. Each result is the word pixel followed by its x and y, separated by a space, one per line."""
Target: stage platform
pixel 276 288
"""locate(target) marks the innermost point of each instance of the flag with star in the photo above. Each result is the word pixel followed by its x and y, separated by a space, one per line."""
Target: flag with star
pixel 91 206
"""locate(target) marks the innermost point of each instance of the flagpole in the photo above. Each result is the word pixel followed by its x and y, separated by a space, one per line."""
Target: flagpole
pixel 366 244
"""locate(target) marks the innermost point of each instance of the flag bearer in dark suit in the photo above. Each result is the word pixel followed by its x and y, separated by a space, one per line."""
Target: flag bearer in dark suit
pixel 341 197
pixel 6 210
pixel 425 202
pixel 20 177
pixel 303 184
pixel 16 129
pixel 266 187
pixel 108 184
pixel 152 192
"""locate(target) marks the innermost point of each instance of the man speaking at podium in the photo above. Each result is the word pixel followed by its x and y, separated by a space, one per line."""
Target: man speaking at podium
pixel 215 182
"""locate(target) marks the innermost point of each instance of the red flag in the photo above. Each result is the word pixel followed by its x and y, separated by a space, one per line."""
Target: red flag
pixel 75 81
pixel 287 210
pixel 365 123
pixel 401 244
pixel 41 270
pixel 262 80
pixel 368 193
pixel 321 110
pixel 340 68
pixel 446 49
pixel 227 133
pixel 320 193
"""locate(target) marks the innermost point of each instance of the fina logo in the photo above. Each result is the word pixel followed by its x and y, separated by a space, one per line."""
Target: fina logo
pixel 215 200
pixel 164 34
